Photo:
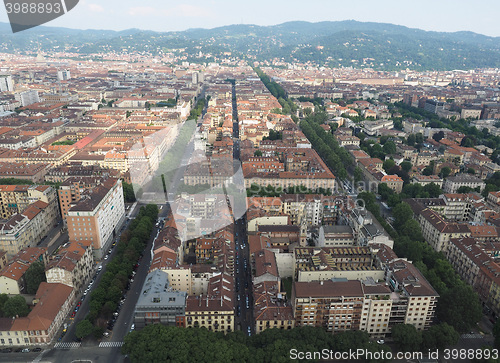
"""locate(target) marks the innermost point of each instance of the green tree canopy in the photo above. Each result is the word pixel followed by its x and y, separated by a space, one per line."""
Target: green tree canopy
pixel 433 189
pixel 407 337
pixel 128 192
pixel 428 170
pixel 388 165
pixel 34 276
pixel 460 307
pixel 389 147
pixel 384 191
pixel 438 136
pixel 83 329
pixel 411 140
pixel 406 166
pixel 3 299
pixel 15 306
pixel 158 343
pixel 439 336
pixel 496 333
pixel 445 172
pixel 402 213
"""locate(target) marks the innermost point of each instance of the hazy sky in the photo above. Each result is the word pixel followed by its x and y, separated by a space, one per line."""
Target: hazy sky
pixel 163 15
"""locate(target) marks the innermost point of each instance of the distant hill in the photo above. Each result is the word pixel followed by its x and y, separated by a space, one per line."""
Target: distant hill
pixel 340 43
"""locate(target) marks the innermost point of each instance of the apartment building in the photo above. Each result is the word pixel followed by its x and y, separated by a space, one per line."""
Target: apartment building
pixel 214 172
pixel 424 180
pixel 336 236
pixel 453 183
pixel 437 231
pixel 476 263
pixel 284 237
pixel 352 263
pixel 6 84
pixel 53 303
pixel 334 305
pixel 302 167
pixel 373 128
pixel 12 281
pixel 377 306
pixel 415 300
pixel 366 232
pixel 345 140
pixel 215 310
pixel 27 98
pixel 98 216
pixel 458 207
pixel 16 198
pixel 28 228
pixel 394 182
pixel 158 303
pixel 271 310
pixel 71 190
pixel 72 266
pixel 32 172
pixel 265 266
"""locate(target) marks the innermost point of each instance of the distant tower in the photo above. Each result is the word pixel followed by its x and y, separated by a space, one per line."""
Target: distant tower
pixel 27 98
pixel 6 84
pixel 195 77
pixel 40 58
pixel 63 75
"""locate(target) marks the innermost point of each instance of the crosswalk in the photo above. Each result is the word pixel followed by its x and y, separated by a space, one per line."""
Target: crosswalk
pixel 67 345
pixel 472 336
pixel 110 344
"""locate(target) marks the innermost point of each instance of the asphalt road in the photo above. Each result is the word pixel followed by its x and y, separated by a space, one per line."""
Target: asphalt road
pixel 81 354
pixel 243 270
pixel 89 348
pixel 243 279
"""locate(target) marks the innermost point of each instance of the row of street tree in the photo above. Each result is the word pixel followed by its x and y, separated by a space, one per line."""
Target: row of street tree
pixel 112 286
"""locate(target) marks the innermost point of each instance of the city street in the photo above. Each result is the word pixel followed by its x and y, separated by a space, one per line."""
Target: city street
pixel 108 349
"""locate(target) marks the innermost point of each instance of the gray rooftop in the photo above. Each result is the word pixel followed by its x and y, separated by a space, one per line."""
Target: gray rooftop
pixel 156 291
pixel 337 229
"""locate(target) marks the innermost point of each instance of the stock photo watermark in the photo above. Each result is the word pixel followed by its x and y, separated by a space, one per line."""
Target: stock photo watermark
pixel 365 354
pixel 27 14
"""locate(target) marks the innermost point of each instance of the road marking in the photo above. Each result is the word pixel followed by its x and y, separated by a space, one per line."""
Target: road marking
pixel 110 344
pixel 472 336
pixel 67 345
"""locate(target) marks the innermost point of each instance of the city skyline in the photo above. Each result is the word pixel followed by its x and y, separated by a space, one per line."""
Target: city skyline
pixel 158 16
